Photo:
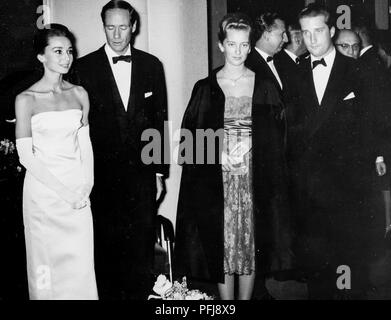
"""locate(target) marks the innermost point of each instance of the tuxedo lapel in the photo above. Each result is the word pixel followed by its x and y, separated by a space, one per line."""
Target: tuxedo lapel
pixel 333 87
pixel 135 84
pixel 260 66
pixel 314 111
pixel 106 77
pixel 110 94
pixel 313 104
pixel 271 74
pixel 334 91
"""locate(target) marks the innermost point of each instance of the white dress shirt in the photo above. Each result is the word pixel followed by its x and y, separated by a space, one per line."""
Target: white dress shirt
pixel 122 72
pixel 321 74
pixel 365 49
pixel 264 56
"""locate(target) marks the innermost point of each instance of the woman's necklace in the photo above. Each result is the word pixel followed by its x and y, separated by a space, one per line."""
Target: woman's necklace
pixel 234 81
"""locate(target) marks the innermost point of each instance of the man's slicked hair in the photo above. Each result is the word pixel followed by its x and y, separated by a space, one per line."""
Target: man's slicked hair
pixel 265 22
pixel 120 4
pixel 314 10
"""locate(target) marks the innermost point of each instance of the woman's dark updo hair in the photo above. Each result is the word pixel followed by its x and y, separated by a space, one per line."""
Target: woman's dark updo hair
pixel 41 39
pixel 236 21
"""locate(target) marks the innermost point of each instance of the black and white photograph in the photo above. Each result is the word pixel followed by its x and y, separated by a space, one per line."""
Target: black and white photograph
pixel 219 150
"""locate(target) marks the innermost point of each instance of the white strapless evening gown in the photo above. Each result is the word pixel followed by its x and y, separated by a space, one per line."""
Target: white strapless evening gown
pixel 59 239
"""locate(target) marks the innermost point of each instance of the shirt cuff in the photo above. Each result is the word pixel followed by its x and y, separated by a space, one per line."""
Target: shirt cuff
pixel 379 159
pixel 159 175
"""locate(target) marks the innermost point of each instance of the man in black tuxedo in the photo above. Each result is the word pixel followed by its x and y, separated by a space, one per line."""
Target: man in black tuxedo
pixel 378 83
pixel 288 59
pixel 266 59
pixel 270 35
pixel 330 163
pixel 127 94
pixel 287 62
pixel 347 42
pixel 377 116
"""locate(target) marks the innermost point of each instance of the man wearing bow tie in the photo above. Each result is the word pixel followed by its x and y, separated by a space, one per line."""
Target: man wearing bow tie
pixel 127 93
pixel 330 162
pixel 289 58
pixel 271 36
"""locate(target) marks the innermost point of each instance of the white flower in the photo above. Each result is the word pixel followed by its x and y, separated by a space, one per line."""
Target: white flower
pixel 195 295
pixel 162 285
pixel 177 296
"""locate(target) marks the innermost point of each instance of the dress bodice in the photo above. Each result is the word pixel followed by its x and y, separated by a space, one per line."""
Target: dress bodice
pixel 237 114
pixel 237 130
pixel 54 135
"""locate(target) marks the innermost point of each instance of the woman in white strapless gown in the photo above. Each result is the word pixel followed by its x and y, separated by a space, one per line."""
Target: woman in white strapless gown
pixel 52 139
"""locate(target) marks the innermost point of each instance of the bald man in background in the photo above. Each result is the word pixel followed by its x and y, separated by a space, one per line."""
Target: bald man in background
pixel 347 42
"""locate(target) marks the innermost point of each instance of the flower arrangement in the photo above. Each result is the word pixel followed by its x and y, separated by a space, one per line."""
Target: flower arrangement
pixel 9 161
pixel 177 291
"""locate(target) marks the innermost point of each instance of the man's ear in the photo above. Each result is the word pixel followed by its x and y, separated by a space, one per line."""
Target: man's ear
pixel 134 26
pixel 265 35
pixel 332 31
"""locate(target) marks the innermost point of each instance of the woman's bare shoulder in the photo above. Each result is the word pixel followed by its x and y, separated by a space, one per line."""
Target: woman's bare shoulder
pixel 25 97
pixel 79 91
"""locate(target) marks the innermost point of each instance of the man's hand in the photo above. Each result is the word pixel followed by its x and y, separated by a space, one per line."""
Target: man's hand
pixel 381 168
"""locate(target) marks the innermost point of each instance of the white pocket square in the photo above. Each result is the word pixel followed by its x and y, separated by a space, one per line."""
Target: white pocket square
pixel 349 96
pixel 147 94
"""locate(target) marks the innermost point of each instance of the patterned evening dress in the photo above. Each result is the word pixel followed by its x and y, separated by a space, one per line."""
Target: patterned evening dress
pixel 239 250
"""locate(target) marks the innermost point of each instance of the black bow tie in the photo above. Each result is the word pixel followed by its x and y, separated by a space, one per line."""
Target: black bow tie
pixel 127 58
pixel 318 62
pixel 268 59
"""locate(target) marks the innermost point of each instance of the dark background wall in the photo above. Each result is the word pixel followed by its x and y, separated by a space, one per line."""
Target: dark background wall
pixel 18 23
pixel 254 8
pixel 17 26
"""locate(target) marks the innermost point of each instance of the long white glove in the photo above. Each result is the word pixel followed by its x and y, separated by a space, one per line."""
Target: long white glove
pixel 33 165
pixel 87 159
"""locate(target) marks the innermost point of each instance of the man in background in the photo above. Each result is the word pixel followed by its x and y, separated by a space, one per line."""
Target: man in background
pixel 270 35
pixel 347 42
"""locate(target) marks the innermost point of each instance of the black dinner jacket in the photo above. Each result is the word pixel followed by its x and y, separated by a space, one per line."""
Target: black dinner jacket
pixel 289 74
pixel 256 63
pixel 327 136
pixel 286 65
pixel 116 133
pixel 377 113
